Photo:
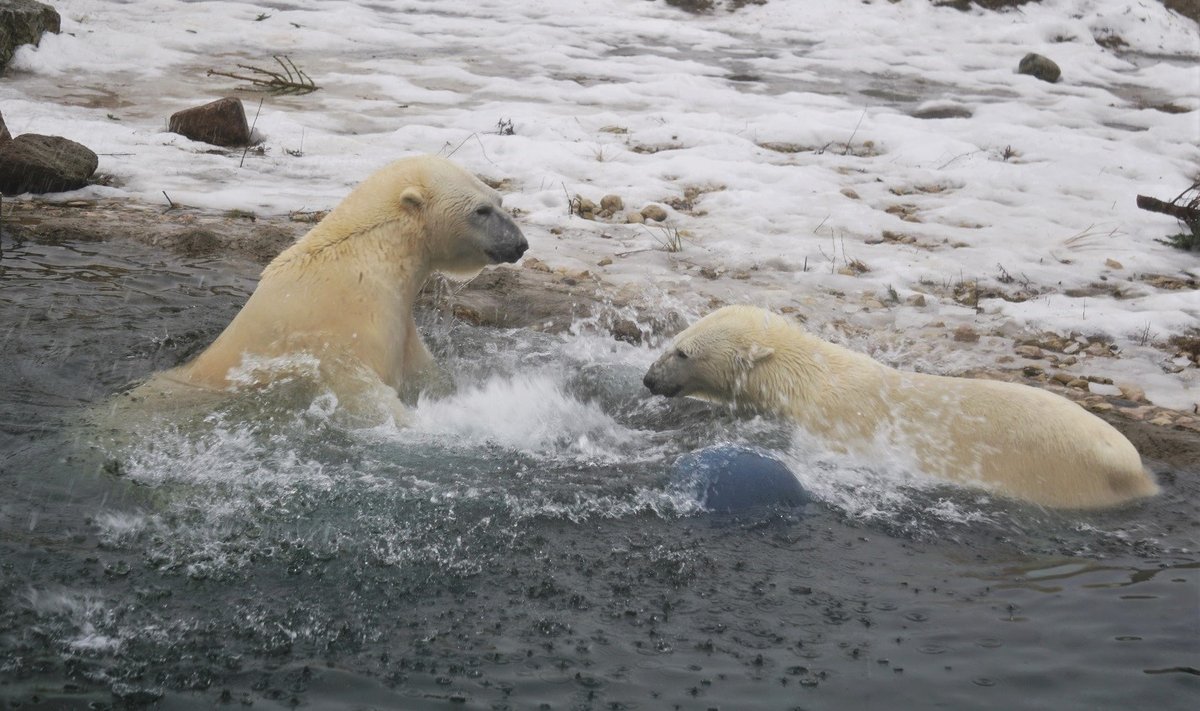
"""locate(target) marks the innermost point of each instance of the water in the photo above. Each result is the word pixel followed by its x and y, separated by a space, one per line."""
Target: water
pixel 520 545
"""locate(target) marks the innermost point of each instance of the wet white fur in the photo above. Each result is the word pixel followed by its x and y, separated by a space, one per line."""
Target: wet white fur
pixel 1016 440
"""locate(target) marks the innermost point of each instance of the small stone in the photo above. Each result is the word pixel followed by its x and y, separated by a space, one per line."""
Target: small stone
pixel 221 123
pixel 965 334
pixel 1033 371
pixel 1063 378
pixel 1031 352
pixel 1132 392
pixel 634 218
pixel 917 300
pixel 849 192
pixel 1072 347
pixel 1162 421
pixel 604 262
pixel 627 331
pixel 709 273
pixel 654 212
pixel 535 264
pixel 1039 67
pixel 1078 383
pixel 612 203
pixel 1113 264
pixel 1069 360
pixel 1100 406
pixel 1102 380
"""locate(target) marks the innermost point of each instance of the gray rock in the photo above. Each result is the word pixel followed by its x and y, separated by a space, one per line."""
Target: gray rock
pixel 32 163
pixel 221 123
pixel 5 136
pixel 24 22
pixel 1040 67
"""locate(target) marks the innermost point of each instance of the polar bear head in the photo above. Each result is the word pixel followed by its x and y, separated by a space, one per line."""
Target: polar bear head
pixel 441 212
pixel 714 358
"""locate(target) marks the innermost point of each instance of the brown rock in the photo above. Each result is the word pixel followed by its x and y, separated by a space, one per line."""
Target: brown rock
pixel 1038 66
pixel 1132 392
pixel 1078 383
pixel 1033 371
pixel 654 212
pixel 535 264
pixel 1162 421
pixel 221 123
pixel 32 163
pixel 1113 264
pixel 612 203
pixel 965 334
pixel 634 218
pixel 849 192
pixel 627 331
pixel 1064 378
pixel 1031 352
pixel 604 262
pixel 917 300
pixel 709 273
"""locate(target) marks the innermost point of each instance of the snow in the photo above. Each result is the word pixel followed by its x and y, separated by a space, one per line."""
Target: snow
pixel 1034 190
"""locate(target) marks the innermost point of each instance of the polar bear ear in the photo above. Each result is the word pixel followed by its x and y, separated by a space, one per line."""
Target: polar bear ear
pixel 756 353
pixel 412 197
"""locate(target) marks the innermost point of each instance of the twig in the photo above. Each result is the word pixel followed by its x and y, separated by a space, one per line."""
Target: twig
pixel 169 202
pixel 1185 213
pixel 252 125
pixel 850 141
pixel 293 80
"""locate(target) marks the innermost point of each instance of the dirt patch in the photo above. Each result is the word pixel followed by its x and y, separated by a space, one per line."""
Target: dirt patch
pixel 536 297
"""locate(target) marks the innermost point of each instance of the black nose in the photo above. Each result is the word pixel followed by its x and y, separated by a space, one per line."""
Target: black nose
pixel 508 252
pixel 648 381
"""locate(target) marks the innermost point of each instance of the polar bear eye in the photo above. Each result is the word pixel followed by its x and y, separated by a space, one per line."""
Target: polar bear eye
pixel 680 354
pixel 484 211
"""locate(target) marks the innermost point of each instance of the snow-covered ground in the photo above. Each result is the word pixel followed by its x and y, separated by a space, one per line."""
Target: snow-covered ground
pixel 785 134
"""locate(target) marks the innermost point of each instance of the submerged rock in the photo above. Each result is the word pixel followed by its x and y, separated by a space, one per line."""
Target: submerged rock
pixel 1040 67
pixel 221 123
pixel 33 163
pixel 24 22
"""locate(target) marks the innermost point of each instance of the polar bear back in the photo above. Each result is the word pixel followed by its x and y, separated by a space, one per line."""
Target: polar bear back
pixel 1021 441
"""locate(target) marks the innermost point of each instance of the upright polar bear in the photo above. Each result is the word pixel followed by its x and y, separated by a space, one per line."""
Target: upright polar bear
pixel 343 293
pixel 1017 440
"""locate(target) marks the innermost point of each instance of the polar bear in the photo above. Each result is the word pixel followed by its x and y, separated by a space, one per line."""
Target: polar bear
pixel 1013 439
pixel 342 296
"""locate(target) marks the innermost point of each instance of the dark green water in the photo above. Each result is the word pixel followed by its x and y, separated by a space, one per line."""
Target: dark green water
pixel 520 545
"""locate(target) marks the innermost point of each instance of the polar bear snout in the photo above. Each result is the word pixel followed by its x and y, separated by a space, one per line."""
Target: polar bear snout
pixel 659 381
pixel 505 242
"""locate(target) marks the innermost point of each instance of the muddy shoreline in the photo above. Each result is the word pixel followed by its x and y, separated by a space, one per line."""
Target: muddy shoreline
pixel 530 295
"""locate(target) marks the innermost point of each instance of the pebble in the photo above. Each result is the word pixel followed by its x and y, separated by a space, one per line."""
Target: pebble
pixel 604 262
pixel 1079 383
pixel 612 203
pixel 1033 371
pixel 1072 347
pixel 1064 378
pixel 654 212
pixel 1162 421
pixel 917 300
pixel 634 218
pixel 1031 352
pixel 1132 392
pixel 1113 264
pixel 849 192
pixel 965 334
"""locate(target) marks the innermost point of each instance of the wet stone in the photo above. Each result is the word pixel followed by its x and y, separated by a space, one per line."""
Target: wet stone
pixel 24 22
pixel 221 123
pixel 33 163
pixel 1039 67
